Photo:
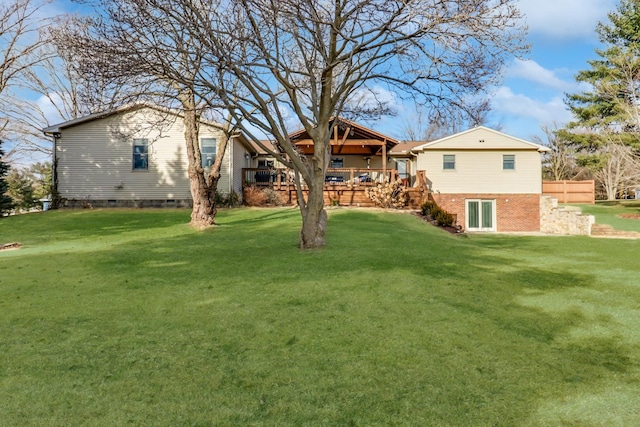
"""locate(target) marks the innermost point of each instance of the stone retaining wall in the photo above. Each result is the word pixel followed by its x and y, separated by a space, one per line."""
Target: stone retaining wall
pixel 566 220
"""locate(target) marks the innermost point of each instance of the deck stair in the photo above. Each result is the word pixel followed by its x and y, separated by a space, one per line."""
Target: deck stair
pixel 605 231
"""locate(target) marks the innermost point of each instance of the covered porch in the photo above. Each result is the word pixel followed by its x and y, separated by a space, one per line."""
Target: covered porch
pixel 360 158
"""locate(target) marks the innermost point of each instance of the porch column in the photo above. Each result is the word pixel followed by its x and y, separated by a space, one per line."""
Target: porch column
pixel 384 158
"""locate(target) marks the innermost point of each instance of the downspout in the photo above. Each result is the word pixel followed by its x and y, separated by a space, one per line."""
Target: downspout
pixel 55 196
pixel 231 171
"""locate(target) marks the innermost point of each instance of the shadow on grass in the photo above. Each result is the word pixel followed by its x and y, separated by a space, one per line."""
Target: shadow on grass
pixel 393 323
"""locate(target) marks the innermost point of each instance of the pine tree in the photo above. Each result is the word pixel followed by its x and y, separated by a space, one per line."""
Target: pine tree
pixel 6 203
pixel 613 105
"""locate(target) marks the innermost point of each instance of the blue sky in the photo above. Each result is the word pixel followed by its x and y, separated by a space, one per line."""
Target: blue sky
pixel 562 38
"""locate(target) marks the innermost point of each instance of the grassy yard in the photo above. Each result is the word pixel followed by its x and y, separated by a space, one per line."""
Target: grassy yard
pixel 129 317
pixel 608 213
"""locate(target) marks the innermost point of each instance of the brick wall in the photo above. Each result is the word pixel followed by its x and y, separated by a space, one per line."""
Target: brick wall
pixel 514 212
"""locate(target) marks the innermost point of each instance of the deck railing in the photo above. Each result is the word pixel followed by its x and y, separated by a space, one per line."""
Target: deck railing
pixel 352 177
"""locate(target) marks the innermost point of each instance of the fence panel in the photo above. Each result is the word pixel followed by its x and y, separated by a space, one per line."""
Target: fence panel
pixel 570 191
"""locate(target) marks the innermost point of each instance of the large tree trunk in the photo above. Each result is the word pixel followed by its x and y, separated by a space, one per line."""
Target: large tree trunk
pixel 314 218
pixel 202 189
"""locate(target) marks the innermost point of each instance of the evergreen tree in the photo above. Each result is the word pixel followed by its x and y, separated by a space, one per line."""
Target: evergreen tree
pixel 6 203
pixel 613 105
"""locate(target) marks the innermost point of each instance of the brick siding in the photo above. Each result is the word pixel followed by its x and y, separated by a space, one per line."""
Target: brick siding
pixel 514 212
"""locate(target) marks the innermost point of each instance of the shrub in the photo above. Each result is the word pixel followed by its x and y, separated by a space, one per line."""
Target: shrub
pixel 427 207
pixel 444 218
pixel 253 196
pixel 228 200
pixel 272 197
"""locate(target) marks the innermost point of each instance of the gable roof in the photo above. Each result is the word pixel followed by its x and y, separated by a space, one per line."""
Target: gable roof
pixel 356 131
pixel 480 138
pixel 122 109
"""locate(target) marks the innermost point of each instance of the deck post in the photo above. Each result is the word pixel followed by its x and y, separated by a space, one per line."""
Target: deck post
pixel 384 158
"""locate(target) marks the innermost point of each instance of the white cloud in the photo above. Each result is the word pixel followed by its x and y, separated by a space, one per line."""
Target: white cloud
pixel 534 72
pixel 565 19
pixel 48 109
pixel 514 105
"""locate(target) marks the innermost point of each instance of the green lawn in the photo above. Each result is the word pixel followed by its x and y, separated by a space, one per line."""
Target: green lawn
pixel 608 213
pixel 129 317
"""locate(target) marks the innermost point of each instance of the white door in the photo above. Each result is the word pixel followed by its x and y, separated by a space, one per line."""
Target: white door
pixel 480 215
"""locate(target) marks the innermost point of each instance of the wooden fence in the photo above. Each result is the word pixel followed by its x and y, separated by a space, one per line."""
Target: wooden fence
pixel 570 191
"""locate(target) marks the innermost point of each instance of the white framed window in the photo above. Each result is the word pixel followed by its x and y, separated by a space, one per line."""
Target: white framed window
pixel 140 154
pixel 480 215
pixel 449 161
pixel 337 162
pixel 508 162
pixel 208 148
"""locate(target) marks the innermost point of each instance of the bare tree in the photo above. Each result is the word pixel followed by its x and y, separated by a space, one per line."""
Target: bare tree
pixel 20 41
pixel 267 60
pixel 559 163
pixel 425 125
pixel 156 59
pixel 619 169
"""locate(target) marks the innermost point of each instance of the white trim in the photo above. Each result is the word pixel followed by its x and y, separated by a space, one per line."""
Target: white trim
pixel 494 216
pixel 540 148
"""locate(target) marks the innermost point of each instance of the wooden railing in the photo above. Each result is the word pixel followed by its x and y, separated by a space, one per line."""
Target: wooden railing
pixel 279 177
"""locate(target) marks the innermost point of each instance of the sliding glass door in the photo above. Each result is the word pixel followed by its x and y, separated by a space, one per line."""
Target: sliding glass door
pixel 480 215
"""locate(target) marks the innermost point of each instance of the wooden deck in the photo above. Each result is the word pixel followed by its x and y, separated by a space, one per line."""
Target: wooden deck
pixel 343 187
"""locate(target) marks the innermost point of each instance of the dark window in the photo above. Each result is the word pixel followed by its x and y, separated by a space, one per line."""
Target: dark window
pixel 265 164
pixel 140 154
pixel 337 162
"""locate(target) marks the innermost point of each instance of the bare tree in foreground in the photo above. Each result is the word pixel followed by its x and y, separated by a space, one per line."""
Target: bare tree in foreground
pixel 306 58
pixel 155 59
pixel 20 41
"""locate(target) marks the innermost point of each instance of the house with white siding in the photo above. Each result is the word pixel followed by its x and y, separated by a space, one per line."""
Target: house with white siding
pixel 491 181
pixel 136 156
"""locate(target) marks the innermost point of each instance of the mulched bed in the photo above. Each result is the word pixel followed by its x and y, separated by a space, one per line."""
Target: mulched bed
pixel 450 229
pixel 630 216
pixel 7 246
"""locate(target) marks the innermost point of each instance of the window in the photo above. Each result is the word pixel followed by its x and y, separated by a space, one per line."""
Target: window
pixel 449 161
pixel 265 164
pixel 480 215
pixel 508 162
pixel 337 162
pixel 208 150
pixel 140 154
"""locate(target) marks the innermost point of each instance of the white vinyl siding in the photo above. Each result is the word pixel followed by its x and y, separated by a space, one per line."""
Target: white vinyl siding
pixel 95 158
pixel 481 172
pixel 241 159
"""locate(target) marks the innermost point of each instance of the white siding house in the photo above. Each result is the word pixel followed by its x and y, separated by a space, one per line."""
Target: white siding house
pixel 132 156
pixel 491 181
